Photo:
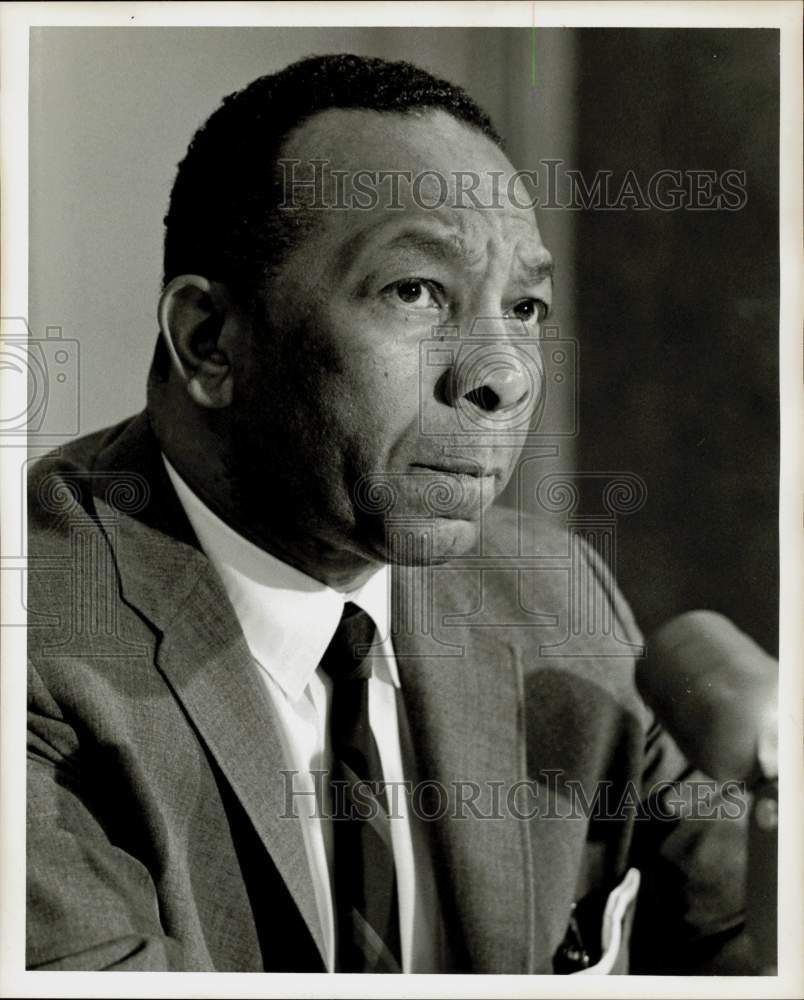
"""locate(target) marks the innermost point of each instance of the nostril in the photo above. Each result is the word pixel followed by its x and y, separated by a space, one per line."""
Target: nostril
pixel 484 397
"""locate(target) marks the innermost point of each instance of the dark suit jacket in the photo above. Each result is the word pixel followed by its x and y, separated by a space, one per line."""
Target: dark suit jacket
pixel 159 835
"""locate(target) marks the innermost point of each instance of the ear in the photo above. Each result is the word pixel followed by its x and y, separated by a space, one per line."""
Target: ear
pixel 193 312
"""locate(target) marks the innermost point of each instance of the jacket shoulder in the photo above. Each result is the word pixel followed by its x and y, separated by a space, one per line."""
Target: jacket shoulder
pixel 61 480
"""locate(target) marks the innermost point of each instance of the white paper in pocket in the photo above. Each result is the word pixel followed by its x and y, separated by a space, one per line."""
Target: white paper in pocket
pixel 611 936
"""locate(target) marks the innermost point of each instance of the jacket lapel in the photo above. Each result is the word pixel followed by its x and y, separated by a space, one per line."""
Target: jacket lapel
pixel 464 712
pixel 202 652
pixel 206 661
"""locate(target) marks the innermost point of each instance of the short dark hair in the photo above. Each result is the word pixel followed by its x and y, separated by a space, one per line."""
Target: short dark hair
pixel 223 221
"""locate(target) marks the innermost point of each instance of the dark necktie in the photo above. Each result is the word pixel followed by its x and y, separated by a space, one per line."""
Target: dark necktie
pixel 366 909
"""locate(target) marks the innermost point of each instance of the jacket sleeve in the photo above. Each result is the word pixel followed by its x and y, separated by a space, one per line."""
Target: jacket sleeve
pixel 90 905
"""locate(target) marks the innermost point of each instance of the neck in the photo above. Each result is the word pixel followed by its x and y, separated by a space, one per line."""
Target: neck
pixel 195 453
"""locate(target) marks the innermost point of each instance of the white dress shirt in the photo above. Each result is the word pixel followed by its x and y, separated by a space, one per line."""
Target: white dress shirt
pixel 288 619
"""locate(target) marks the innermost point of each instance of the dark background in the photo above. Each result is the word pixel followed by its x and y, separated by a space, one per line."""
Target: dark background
pixel 678 318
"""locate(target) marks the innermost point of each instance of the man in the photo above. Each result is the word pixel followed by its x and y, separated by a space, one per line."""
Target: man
pixel 296 700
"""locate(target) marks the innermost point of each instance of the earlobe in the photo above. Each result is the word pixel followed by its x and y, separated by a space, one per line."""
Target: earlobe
pixel 192 314
pixel 200 394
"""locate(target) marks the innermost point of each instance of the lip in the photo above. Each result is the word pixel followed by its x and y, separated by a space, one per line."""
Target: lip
pixel 457 467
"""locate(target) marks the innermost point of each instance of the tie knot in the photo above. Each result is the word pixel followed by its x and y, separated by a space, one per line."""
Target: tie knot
pixel 346 656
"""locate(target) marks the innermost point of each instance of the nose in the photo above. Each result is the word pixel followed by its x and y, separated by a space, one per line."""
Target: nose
pixel 492 376
pixel 500 388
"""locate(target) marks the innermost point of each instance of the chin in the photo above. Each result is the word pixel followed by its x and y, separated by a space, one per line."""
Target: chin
pixel 425 541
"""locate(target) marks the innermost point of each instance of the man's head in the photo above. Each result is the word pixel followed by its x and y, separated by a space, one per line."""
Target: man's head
pixel 323 404
pixel 222 221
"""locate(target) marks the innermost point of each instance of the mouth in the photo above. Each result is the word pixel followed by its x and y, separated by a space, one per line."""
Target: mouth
pixel 457 488
pixel 457 467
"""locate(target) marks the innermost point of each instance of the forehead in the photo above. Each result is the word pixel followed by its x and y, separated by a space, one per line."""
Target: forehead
pixel 357 138
pixel 368 170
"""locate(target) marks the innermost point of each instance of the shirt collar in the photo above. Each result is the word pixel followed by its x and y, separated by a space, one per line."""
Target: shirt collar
pixel 288 618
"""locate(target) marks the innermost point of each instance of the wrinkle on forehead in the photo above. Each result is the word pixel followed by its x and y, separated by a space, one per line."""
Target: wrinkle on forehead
pixel 471 239
pixel 533 257
pixel 482 237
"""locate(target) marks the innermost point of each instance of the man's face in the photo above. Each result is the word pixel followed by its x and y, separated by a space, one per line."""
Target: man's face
pixel 346 423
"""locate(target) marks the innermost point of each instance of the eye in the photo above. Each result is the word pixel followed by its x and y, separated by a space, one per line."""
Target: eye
pixel 415 293
pixel 529 310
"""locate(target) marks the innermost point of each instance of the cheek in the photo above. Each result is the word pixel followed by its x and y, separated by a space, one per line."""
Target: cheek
pixel 372 402
pixel 367 375
pixel 341 373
